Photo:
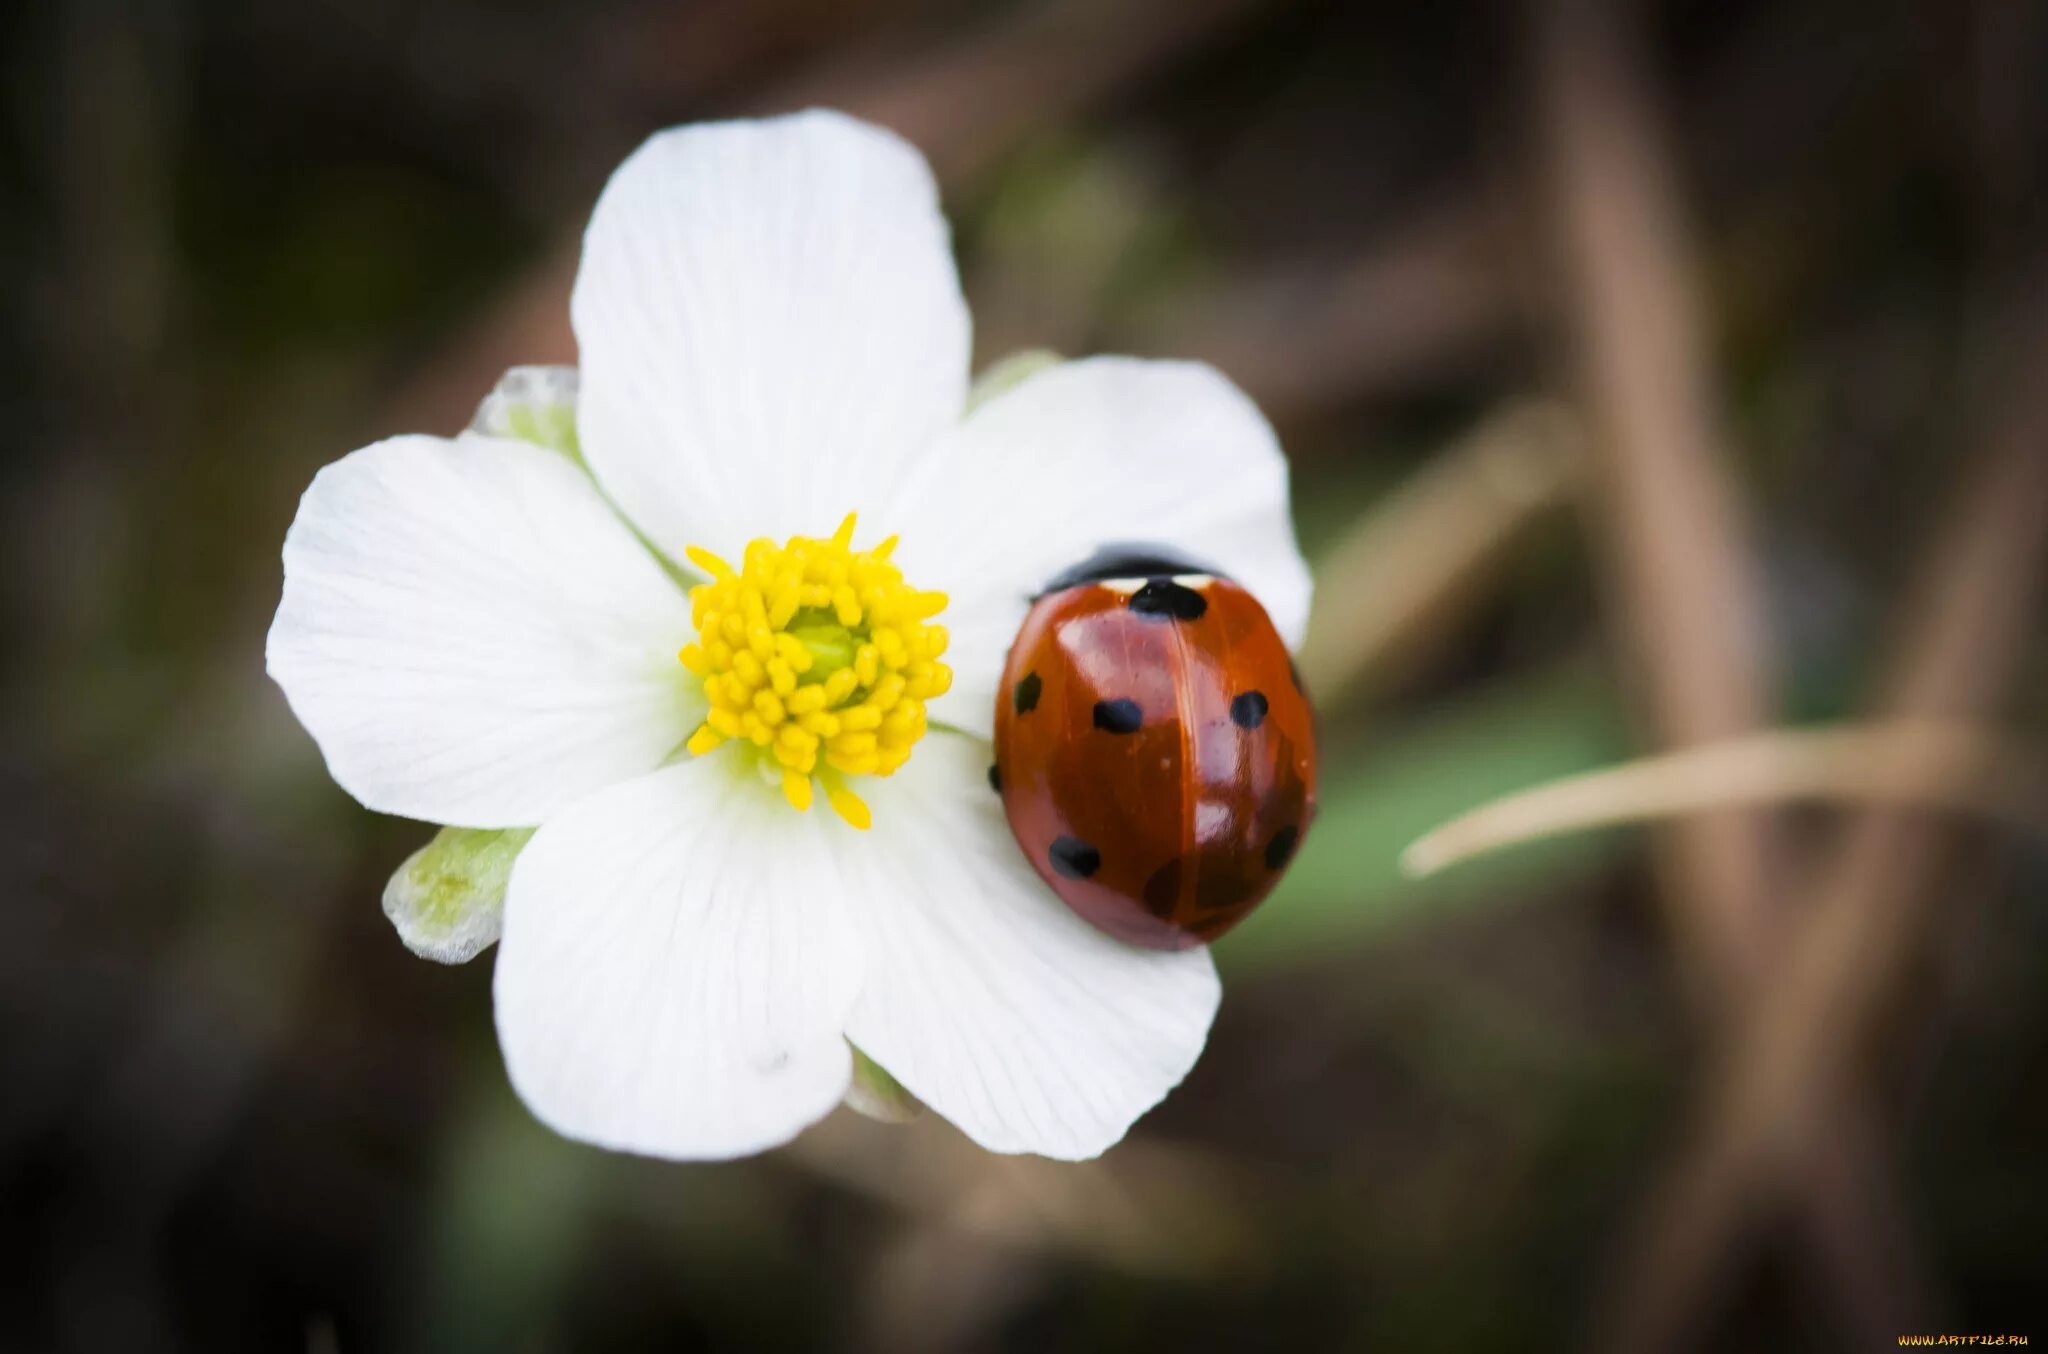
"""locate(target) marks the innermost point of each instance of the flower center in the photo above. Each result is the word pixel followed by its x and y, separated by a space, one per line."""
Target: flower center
pixel 817 656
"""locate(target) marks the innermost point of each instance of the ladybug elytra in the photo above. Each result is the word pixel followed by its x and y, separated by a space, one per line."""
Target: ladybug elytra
pixel 1154 749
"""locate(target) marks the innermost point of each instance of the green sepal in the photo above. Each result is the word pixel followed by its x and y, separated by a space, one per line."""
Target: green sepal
pixel 532 404
pixel 876 1094
pixel 1009 373
pixel 448 899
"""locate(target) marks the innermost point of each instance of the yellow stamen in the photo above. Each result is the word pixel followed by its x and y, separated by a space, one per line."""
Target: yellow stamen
pixel 708 562
pixel 846 803
pixel 818 657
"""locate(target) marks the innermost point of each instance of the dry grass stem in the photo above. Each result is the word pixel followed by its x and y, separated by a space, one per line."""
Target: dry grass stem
pixel 1928 765
pixel 1663 505
pixel 1152 1209
pixel 1394 584
pixel 1421 300
pixel 1679 567
pixel 1872 902
pixel 962 105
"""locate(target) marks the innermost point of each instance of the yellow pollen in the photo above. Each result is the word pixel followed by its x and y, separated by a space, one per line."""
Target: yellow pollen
pixel 817 657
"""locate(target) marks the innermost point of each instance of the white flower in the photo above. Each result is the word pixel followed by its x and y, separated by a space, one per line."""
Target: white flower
pixel 772 337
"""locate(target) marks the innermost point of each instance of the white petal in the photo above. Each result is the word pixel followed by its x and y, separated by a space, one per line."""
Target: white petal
pixel 1111 449
pixel 986 997
pixel 771 328
pixel 473 637
pixel 676 966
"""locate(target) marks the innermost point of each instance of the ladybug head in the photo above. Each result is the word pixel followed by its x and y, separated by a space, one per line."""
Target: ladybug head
pixel 1128 559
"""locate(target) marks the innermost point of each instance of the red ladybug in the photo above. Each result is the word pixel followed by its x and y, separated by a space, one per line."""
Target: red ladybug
pixel 1154 750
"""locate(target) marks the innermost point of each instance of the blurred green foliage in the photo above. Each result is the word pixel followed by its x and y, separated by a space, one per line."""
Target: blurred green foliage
pixel 1383 792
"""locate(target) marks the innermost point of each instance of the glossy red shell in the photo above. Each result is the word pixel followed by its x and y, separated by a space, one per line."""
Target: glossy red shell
pixel 1155 754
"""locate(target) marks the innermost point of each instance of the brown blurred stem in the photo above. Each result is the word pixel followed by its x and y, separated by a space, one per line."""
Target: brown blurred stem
pixel 1665 511
pixel 1391 588
pixel 1871 901
pixel 1985 772
pixel 1420 300
pixel 1678 567
pixel 969 101
pixel 962 104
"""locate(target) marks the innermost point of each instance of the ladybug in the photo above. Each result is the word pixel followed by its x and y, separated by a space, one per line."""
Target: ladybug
pixel 1154 749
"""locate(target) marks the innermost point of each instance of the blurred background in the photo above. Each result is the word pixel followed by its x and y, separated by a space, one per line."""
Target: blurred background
pixel 1654 374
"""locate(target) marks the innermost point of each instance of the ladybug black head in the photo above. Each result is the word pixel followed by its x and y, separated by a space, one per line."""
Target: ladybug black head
pixel 1128 559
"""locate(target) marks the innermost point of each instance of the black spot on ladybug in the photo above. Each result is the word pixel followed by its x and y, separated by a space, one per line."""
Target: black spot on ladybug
pixel 995 778
pixel 1248 710
pixel 1026 695
pixel 1167 600
pixel 1074 858
pixel 1162 890
pixel 1118 716
pixel 1281 849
